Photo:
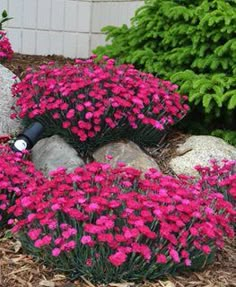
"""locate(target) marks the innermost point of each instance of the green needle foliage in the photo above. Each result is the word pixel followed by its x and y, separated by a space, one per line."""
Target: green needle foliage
pixel 192 43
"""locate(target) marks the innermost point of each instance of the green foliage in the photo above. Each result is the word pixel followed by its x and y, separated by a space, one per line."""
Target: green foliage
pixel 228 136
pixel 192 43
pixel 4 18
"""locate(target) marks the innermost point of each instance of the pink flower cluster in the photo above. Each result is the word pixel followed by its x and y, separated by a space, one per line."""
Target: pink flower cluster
pixel 221 177
pixel 6 52
pixel 87 100
pixel 101 213
pixel 15 174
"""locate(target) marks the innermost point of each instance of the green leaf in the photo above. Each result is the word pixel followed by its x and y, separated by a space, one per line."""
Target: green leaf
pixel 4 14
pixel 206 100
pixel 232 102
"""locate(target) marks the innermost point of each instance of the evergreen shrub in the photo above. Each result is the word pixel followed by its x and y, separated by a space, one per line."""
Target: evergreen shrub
pixel 192 43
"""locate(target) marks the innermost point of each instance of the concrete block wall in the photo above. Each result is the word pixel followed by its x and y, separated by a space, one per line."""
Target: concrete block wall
pixel 63 27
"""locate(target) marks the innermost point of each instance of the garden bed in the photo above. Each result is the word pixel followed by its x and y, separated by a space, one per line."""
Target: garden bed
pixel 17 269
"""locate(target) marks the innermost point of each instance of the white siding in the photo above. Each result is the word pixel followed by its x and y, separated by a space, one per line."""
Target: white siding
pixel 63 27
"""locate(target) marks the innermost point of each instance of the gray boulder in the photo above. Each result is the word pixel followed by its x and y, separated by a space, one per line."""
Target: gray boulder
pixel 126 152
pixel 199 150
pixel 50 153
pixel 7 125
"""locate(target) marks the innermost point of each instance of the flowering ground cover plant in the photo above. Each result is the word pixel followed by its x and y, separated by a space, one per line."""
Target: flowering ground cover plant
pixel 221 177
pixel 112 224
pixel 6 51
pixel 15 174
pixel 93 103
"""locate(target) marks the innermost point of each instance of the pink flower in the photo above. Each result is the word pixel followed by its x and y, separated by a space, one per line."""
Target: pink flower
pixel 26 201
pixel 89 262
pixel 56 252
pixel 34 233
pixel 118 258
pixel 86 240
pixel 187 262
pixel 70 114
pixel 206 249
pixel 175 256
pixel 88 115
pixel 109 157
pixel 66 124
pixel 46 240
pixel 142 249
pixel 161 258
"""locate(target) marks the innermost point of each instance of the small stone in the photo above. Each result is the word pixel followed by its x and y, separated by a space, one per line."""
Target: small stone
pixel 50 153
pixel 125 152
pixel 7 125
pixel 199 150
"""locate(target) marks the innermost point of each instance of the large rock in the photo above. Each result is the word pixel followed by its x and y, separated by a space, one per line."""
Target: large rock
pixel 50 153
pixel 7 125
pixel 126 152
pixel 199 150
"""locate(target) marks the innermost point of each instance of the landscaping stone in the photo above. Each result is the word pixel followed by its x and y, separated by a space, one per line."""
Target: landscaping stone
pixel 199 150
pixel 7 125
pixel 126 152
pixel 50 153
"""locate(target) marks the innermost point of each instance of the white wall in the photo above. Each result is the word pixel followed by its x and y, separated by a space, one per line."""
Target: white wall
pixel 63 27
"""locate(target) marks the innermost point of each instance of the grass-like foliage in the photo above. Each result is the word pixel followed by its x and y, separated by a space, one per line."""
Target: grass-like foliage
pixel 90 104
pixel 192 43
pixel 112 224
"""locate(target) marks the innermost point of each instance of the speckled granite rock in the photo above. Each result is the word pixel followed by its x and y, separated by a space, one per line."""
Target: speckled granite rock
pixel 127 152
pixel 199 150
pixel 50 153
pixel 7 125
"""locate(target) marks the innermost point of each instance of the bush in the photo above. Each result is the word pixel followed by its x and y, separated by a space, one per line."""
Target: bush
pixel 15 174
pixel 91 104
pixel 192 43
pixel 114 224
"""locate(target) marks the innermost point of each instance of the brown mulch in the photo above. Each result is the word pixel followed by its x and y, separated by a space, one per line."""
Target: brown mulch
pixel 20 63
pixel 20 270
pixel 166 150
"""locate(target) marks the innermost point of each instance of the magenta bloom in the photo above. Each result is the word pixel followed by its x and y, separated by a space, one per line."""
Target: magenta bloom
pixel 6 52
pixel 90 100
pixel 118 258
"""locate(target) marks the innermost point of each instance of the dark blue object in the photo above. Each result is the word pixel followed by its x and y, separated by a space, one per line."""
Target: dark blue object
pixel 28 138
